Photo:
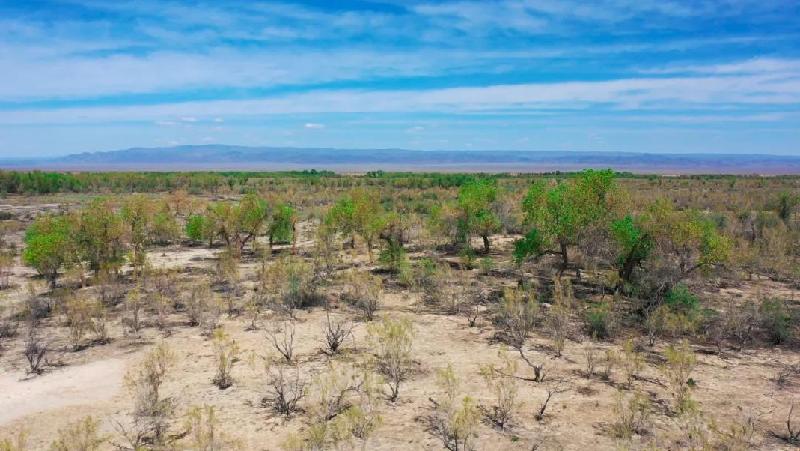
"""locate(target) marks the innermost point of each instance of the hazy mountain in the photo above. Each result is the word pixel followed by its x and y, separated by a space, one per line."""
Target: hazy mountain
pixel 218 157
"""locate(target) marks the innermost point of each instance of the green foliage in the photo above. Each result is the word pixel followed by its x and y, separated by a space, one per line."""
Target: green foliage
pixel 50 245
pixel 563 212
pixel 282 225
pixel 195 226
pixel 634 245
pixel 776 320
pixel 475 200
pixel 238 223
pixel 598 320
pixel 528 246
pixel 101 235
pixel 680 299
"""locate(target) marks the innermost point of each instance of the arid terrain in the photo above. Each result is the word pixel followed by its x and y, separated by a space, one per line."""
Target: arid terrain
pixel 455 325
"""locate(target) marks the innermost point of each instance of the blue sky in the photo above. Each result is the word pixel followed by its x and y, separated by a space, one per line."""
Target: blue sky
pixel 608 75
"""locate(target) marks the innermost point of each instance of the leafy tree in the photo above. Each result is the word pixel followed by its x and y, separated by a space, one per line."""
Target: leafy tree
pixel 101 235
pixel 200 228
pixel 282 227
pixel 239 223
pixel 50 245
pixel 137 213
pixel 359 213
pixel 634 245
pixel 475 201
pixel 686 241
pixel 562 213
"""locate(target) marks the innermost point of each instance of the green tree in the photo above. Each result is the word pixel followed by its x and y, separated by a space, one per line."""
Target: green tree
pixel 359 213
pixel 634 245
pixel 200 228
pixel 562 213
pixel 239 223
pixel 283 225
pixel 101 236
pixel 137 212
pixel 50 245
pixel 475 201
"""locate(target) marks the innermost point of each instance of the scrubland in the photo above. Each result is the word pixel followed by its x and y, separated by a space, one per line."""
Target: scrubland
pixel 310 311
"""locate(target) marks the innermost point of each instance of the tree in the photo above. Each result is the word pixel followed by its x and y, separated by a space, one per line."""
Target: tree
pixel 200 228
pixel 101 236
pixel 239 223
pixel 634 246
pixel 684 242
pixel 282 227
pixel 50 245
pixel 359 213
pixel 137 213
pixel 562 213
pixel 475 201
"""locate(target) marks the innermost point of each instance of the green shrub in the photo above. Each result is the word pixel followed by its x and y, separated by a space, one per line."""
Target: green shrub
pixel 775 320
pixel 598 320
pixel 679 298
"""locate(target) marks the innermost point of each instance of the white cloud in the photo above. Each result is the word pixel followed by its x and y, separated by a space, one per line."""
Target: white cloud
pixel 188 119
pixel 313 125
pixel 723 93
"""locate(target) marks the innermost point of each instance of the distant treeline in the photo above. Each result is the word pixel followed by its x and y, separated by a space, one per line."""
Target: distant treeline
pixel 49 182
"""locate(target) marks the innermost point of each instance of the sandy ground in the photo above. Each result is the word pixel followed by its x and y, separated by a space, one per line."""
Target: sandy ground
pixel 21 395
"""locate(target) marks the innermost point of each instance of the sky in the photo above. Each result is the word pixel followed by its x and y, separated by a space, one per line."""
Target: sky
pixel 660 76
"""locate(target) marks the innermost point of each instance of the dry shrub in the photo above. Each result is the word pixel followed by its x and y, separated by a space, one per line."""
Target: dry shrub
pixel 226 354
pixel 455 417
pixel 363 291
pixel 632 414
pixel 517 315
pixel 285 391
pixel 502 382
pixel 631 361
pixel 135 302
pixel 82 435
pixel 336 332
pixel 203 431
pixel 35 349
pixel 203 308
pixel 392 340
pixel 282 338
pixel 152 410
pixel 680 362
pixel 78 312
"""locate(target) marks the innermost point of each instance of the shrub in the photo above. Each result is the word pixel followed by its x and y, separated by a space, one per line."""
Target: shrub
pixel 78 313
pixel 631 361
pixel 226 352
pixel 152 410
pixel 503 384
pixel 598 320
pixel 517 315
pixel 392 340
pixel 203 431
pixel 364 292
pixel 679 298
pixel 632 412
pixel 679 364
pixel 282 339
pixel 455 418
pixel 775 320
pixel 34 351
pixel 80 436
pixel 336 332
pixel 285 392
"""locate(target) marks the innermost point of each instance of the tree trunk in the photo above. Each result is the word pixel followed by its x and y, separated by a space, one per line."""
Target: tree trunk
pixel 564 257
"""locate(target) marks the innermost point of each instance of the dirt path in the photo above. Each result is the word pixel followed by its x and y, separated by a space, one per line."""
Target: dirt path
pixel 75 385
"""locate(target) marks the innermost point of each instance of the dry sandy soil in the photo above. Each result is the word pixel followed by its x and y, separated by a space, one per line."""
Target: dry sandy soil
pixel 730 386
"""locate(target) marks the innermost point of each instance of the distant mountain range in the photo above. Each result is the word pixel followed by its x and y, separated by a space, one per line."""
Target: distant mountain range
pixel 222 157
